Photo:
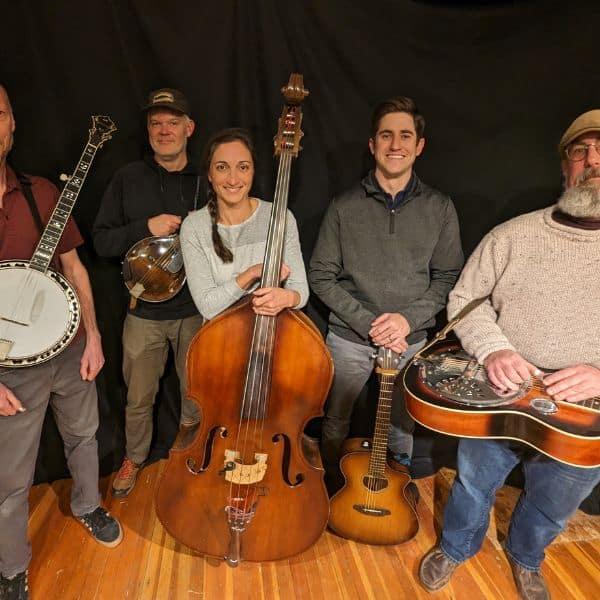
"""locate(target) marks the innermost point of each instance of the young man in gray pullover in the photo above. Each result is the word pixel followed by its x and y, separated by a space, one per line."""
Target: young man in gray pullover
pixel 387 255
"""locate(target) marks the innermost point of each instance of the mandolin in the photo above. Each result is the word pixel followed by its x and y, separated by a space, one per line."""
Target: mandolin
pixel 374 505
pixel 153 269
pixel 448 391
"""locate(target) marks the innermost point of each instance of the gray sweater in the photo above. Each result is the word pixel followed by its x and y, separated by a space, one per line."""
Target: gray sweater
pixel 542 279
pixel 211 281
pixel 369 259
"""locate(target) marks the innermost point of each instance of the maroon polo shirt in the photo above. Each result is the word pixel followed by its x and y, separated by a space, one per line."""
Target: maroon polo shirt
pixel 19 235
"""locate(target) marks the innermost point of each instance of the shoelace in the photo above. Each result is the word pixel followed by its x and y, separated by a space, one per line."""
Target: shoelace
pixel 126 469
pixel 97 519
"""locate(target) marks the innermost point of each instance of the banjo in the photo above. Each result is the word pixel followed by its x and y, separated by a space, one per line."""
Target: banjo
pixel 39 308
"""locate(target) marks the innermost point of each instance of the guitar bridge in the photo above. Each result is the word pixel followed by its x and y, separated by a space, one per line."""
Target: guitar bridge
pixel 372 511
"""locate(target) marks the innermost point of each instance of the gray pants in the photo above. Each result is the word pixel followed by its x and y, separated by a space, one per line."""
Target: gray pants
pixel 354 364
pixel 145 349
pixel 75 406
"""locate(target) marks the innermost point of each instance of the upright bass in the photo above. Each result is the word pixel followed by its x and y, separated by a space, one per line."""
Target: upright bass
pixel 247 488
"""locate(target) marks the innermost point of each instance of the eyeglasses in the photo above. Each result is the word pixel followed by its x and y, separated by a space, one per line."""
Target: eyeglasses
pixel 579 151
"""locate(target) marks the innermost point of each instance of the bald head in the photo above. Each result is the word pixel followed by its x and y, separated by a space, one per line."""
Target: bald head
pixel 4 97
pixel 7 125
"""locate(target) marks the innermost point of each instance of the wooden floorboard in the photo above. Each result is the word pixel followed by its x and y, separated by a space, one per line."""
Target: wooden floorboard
pixel 150 565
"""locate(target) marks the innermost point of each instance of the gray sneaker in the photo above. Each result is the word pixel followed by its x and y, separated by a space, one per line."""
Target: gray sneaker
pixel 103 527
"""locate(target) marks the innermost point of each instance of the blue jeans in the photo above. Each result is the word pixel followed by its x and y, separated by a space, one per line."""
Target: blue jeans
pixel 551 494
pixel 353 365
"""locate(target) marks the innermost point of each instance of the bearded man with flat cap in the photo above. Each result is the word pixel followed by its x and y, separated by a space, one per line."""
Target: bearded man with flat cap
pixel 540 275
pixel 146 198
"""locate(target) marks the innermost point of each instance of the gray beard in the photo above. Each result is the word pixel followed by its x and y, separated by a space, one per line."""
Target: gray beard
pixel 582 201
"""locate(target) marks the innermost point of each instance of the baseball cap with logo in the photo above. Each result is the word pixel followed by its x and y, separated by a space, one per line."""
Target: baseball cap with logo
pixel 168 98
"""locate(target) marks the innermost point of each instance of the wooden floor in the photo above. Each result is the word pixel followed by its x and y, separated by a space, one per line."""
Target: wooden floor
pixel 149 564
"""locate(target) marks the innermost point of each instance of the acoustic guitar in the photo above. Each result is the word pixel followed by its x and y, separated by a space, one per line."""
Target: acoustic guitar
pixel 374 506
pixel 448 391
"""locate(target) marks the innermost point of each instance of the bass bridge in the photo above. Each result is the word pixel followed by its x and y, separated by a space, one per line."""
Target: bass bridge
pixel 237 472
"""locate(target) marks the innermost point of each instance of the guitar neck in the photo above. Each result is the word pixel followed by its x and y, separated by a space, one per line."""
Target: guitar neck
pixel 62 211
pixel 378 458
pixel 591 403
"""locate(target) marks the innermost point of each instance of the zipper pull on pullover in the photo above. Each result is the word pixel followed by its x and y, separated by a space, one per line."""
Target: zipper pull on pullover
pixel 392 219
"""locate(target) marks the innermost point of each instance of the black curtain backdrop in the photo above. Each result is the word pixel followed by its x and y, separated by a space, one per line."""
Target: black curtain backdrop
pixel 498 82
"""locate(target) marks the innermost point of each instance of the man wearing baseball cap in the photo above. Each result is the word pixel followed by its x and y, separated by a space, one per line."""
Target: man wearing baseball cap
pixel 539 274
pixel 151 197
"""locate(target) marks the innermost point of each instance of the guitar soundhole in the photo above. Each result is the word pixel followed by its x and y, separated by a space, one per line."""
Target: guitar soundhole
pixel 375 484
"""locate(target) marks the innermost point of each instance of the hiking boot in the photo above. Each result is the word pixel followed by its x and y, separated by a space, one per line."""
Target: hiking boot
pixel 125 479
pixel 436 569
pixel 15 588
pixel 530 584
pixel 105 529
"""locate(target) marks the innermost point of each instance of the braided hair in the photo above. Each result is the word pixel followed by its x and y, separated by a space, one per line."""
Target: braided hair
pixel 233 134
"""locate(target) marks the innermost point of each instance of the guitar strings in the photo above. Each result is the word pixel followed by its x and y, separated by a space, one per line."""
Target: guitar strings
pixel 161 262
pixel 256 387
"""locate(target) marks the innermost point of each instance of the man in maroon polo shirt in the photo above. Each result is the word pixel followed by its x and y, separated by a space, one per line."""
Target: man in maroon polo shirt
pixel 66 382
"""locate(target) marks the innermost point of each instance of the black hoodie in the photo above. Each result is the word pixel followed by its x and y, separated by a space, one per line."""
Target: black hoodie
pixel 137 192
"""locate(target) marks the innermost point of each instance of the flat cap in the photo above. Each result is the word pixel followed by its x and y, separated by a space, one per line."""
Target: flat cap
pixel 588 121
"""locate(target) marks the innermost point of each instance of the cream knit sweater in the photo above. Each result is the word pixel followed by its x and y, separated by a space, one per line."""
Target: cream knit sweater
pixel 543 283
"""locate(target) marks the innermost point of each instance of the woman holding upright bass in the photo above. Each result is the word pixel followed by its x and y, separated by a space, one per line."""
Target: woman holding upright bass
pixel 248 487
pixel 224 243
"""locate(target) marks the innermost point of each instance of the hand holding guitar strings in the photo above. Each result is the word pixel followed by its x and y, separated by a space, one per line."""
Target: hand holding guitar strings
pixel 507 369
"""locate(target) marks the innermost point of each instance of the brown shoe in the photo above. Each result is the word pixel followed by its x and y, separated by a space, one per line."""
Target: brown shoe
pixel 436 569
pixel 125 479
pixel 530 584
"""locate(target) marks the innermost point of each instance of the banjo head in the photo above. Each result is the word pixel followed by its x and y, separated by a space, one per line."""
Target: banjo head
pixel 39 314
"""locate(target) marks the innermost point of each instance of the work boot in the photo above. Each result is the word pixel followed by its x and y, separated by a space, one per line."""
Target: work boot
pixel 436 569
pixel 125 479
pixel 530 584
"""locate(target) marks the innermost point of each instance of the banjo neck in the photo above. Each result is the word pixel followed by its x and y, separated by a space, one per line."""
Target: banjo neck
pixel 102 128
